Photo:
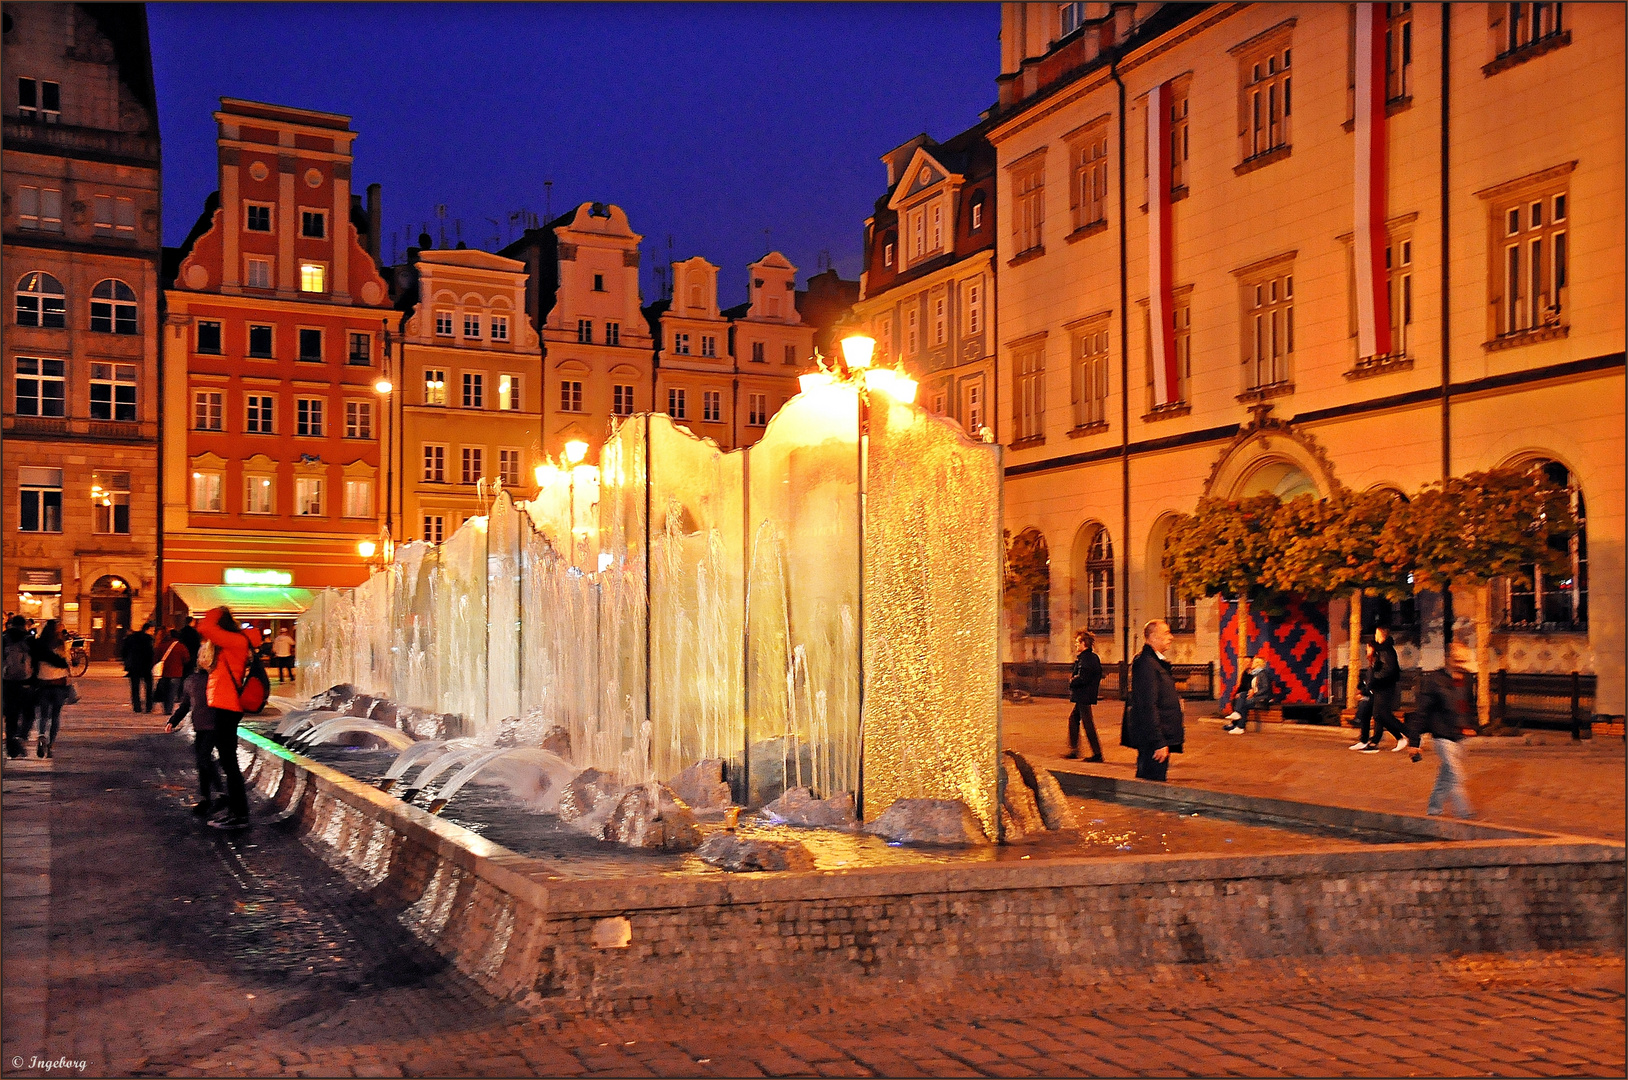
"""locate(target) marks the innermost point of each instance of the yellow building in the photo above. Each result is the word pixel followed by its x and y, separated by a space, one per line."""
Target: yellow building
pixel 470 407
pixel 1496 244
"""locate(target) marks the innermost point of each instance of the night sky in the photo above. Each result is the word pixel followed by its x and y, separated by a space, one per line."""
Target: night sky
pixel 706 122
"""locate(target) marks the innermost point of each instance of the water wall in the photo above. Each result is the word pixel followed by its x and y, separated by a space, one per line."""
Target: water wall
pixel 820 610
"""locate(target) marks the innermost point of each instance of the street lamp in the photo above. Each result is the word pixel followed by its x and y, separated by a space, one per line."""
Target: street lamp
pixel 575 451
pixel 384 387
pixel 366 548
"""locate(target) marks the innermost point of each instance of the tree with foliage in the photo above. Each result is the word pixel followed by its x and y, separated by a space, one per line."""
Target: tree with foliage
pixel 1028 570
pixel 1470 530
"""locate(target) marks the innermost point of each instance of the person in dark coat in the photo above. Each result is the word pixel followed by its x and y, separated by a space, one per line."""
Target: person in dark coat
pixel 1446 712
pixel 194 702
pixel 1082 690
pixel 1365 713
pixel 189 637
pixel 1156 728
pixel 137 652
pixel 1384 681
pixel 19 684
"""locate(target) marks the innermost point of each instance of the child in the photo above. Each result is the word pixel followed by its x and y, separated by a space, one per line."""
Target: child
pixel 194 691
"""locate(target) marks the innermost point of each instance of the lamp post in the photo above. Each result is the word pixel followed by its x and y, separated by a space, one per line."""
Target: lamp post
pixel 385 388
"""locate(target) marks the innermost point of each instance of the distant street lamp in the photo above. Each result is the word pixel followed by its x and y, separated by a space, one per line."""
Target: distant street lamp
pixel 385 388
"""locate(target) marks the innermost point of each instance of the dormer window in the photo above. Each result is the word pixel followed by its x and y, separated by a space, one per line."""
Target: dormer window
pixel 978 213
pixel 887 254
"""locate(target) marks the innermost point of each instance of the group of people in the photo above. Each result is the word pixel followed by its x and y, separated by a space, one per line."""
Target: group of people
pixel 209 689
pixel 37 684
pixel 1154 725
pixel 174 655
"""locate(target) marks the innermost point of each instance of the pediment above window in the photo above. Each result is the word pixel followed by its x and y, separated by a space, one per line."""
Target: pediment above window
pixel 923 172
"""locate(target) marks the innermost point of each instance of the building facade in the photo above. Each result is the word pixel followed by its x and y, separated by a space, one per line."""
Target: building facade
pixel 1352 275
pixel 926 293
pixel 471 401
pixel 81 382
pixel 724 374
pixel 274 340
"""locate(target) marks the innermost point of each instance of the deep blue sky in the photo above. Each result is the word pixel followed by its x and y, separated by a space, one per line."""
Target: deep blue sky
pixel 708 122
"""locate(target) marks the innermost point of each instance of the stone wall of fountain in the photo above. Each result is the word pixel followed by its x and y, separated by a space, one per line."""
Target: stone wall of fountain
pixel 821 610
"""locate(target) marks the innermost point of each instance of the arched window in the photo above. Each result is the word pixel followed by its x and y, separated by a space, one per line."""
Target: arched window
pixel 1028 570
pixel 1099 582
pixel 1180 612
pixel 112 307
pixel 41 301
pixel 1547 601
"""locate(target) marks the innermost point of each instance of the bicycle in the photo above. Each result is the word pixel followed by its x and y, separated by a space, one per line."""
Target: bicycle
pixel 78 656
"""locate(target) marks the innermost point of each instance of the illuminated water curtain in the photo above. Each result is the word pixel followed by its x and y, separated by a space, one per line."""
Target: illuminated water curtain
pixel 819 610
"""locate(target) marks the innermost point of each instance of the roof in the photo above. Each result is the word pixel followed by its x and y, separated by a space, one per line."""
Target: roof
pixel 248 601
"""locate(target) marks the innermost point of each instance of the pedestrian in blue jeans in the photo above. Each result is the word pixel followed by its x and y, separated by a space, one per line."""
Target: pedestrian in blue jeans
pixel 1446 712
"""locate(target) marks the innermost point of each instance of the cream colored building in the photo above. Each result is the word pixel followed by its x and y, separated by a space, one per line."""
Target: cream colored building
pixel 472 406
pixel 724 374
pixel 1484 371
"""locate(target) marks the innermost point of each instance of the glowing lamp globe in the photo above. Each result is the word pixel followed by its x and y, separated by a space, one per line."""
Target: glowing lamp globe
pixel 857 350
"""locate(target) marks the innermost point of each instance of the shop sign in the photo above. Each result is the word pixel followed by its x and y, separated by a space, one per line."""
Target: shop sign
pixel 35 578
pixel 242 575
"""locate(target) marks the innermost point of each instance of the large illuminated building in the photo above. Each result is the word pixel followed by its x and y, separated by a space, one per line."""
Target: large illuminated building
pixel 273 345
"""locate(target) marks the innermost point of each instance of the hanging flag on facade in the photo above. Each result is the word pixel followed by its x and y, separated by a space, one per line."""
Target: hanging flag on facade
pixel 1166 376
pixel 1369 238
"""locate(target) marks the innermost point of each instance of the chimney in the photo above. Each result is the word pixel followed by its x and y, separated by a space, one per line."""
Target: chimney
pixel 375 214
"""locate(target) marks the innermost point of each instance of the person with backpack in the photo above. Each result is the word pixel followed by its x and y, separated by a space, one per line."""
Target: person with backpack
pixel 19 684
pixel 52 686
pixel 224 695
pixel 195 701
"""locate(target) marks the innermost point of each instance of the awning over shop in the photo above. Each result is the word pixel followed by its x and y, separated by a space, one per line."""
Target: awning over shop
pixel 247 601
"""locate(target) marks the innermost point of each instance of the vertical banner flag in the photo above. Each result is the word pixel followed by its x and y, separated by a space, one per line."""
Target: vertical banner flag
pixel 1369 238
pixel 1166 378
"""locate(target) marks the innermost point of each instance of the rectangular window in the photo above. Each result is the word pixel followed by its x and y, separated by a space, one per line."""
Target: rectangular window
pixel 1531 231
pixel 102 213
pixel 675 403
pixel 918 235
pixel 308 496
pixel 259 342
pixel 314 226
pixel 757 410
pixel 709 345
pixel 311 346
pixel 940 323
pixel 613 333
pixel 508 467
pixel 258 494
pixel 435 463
pixel 126 211
pixel 884 339
pixel 257 217
pixel 791 355
pixel 1526 24
pixel 434 528
pixel 471 325
pixel 358 498
pixel 358 419
pixel 972 406
pixel 500 328
pixel 113 309
pixel 585 331
pixel 912 331
pixel 887 254
pixel 361 350
pixel 757 352
pixel 443 324
pixel 208 410
pixel 508 393
pixel 1178 132
pixel 1265 97
pixel 599 283
pixel 977 215
pixel 113 392
pixel 259 275
pixel 206 492
pixel 308 417
pixel 40 495
pixel 471 462
pixel 1029 406
pixel 313 277
pixel 435 387
pixel 474 390
pixel 570 395
pixel 42 387
pixel 1028 207
pixel 39 101
pixel 936 229
pixel 110 503
pixel 209 338
pixel 975 309
pixel 622 400
pixel 39 208
pixel 1091 375
pixel 681 344
pixel 712 406
pixel 1268 329
pixel 1399 51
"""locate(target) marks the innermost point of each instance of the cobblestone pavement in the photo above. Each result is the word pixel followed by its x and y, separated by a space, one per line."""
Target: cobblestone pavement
pixel 140 943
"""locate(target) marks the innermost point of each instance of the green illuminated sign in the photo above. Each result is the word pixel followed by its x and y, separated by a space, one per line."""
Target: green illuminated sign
pixel 238 575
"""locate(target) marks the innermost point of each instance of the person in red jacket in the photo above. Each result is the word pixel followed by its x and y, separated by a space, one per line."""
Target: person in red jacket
pixel 231 670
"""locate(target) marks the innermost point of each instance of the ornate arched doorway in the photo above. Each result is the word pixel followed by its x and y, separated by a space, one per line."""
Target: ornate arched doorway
pixel 109 616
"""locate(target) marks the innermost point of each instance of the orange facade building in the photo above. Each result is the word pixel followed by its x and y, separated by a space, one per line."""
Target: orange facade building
pixel 273 343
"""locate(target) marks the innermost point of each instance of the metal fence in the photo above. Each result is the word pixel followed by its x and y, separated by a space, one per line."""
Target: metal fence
pixel 1195 682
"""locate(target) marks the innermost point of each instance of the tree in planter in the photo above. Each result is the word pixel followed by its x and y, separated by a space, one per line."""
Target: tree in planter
pixel 1028 572
pixel 1223 549
pixel 1469 531
pixel 1330 547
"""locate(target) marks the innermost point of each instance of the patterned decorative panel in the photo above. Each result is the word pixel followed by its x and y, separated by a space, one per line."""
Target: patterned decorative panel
pixel 1294 642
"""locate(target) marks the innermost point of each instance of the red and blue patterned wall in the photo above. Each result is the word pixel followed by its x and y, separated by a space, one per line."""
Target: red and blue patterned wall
pixel 1294 642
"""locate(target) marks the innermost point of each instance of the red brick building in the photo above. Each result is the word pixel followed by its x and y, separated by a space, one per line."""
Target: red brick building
pixel 273 341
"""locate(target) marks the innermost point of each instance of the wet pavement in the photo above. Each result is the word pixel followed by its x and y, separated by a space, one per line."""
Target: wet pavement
pixel 138 942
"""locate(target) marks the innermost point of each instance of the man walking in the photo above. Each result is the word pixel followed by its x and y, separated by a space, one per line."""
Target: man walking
pixel 282 653
pixel 1447 713
pixel 1082 688
pixel 137 652
pixel 1156 729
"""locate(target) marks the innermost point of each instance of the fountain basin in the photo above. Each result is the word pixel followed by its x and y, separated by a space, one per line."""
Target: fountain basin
pixel 660 939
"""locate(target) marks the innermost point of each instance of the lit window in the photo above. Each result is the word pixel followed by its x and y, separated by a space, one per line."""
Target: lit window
pixel 110 503
pixel 259 495
pixel 308 496
pixel 313 277
pixel 358 498
pixel 435 387
pixel 508 392
pixel 113 392
pixel 206 492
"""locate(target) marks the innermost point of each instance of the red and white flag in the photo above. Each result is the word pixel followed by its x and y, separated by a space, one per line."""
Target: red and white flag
pixel 1369 237
pixel 1166 376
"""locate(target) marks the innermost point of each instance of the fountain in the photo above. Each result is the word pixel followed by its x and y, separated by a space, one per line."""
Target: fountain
pixel 820 610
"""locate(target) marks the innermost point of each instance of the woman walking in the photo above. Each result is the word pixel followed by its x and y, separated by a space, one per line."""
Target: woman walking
pixel 232 650
pixel 51 684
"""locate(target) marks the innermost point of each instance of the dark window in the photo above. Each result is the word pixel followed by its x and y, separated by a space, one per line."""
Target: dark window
pixel 41 387
pixel 260 342
pixel 599 283
pixel 311 345
pixel 314 224
pixel 41 302
pixel 259 218
pixel 209 338
pixel 113 308
pixel 361 349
